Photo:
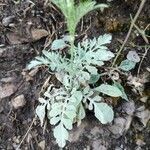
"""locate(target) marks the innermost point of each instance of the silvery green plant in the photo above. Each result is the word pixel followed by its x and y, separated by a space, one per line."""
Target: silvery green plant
pixel 66 105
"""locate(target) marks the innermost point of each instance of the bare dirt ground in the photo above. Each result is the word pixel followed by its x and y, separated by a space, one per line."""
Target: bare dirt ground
pixel 28 27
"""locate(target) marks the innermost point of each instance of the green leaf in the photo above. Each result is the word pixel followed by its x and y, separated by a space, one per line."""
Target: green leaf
pixel 61 135
pixel 58 44
pixel 85 7
pixel 94 79
pixel 37 62
pixel 104 39
pixel 127 65
pixel 109 90
pixel 119 86
pixel 78 95
pixel 103 112
pixel 81 113
pixel 70 114
pixel 55 120
pixel 42 100
pixel 104 55
pixel 67 123
pixel 97 98
pixel 92 70
pixel 40 111
pixel 33 64
pixel 56 110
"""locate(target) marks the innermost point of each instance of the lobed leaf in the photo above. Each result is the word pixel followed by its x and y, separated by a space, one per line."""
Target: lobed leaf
pixel 58 44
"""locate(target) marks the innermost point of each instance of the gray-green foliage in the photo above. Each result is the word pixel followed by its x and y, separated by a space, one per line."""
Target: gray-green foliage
pixel 65 105
pixel 129 63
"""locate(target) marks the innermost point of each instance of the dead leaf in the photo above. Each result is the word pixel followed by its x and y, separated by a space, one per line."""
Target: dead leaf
pixel 15 38
pixel 37 34
pixel 143 114
pixel 7 90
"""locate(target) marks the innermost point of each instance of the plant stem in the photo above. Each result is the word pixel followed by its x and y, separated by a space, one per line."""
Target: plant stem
pixel 72 48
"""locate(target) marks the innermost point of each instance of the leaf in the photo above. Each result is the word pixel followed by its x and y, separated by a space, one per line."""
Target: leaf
pixel 67 123
pixel 83 76
pixel 42 100
pixel 94 79
pixel 104 39
pixel 92 70
pixel 104 55
pixel 37 62
pixel 33 64
pixel 55 120
pixel 109 90
pixel 56 109
pixel 61 135
pixel 97 98
pixel 133 56
pixel 81 112
pixel 66 81
pixel 85 7
pixel 40 111
pixel 67 38
pixel 78 95
pixel 58 44
pixel 103 112
pixel 90 106
pixel 119 86
pixel 127 65
pixel 70 114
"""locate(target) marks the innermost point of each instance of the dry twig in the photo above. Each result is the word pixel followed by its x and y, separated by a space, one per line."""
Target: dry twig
pixel 129 32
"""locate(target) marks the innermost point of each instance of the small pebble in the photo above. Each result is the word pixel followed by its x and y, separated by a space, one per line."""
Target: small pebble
pixel 7 20
pixel 18 102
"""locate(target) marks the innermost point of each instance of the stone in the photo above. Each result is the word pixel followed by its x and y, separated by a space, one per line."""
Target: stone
pixel 18 101
pixel 37 34
pixel 7 90
pixel 7 20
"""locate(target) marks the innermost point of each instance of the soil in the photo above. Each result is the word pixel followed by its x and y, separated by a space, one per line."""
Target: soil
pixel 21 39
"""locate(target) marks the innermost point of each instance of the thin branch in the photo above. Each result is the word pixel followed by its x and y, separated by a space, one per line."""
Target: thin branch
pixel 26 133
pixel 129 32
pixel 146 51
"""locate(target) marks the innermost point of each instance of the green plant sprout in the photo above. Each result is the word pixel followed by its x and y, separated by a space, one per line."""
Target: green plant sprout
pixel 65 105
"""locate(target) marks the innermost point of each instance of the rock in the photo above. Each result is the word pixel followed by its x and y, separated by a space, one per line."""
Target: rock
pixel 7 20
pixel 7 79
pixel 18 102
pixel 143 114
pixel 97 145
pixel 37 34
pixel 118 127
pixel 76 133
pixel 7 90
pixel 2 51
pixel 129 107
pixel 140 142
pixel 15 38
pixel 42 145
